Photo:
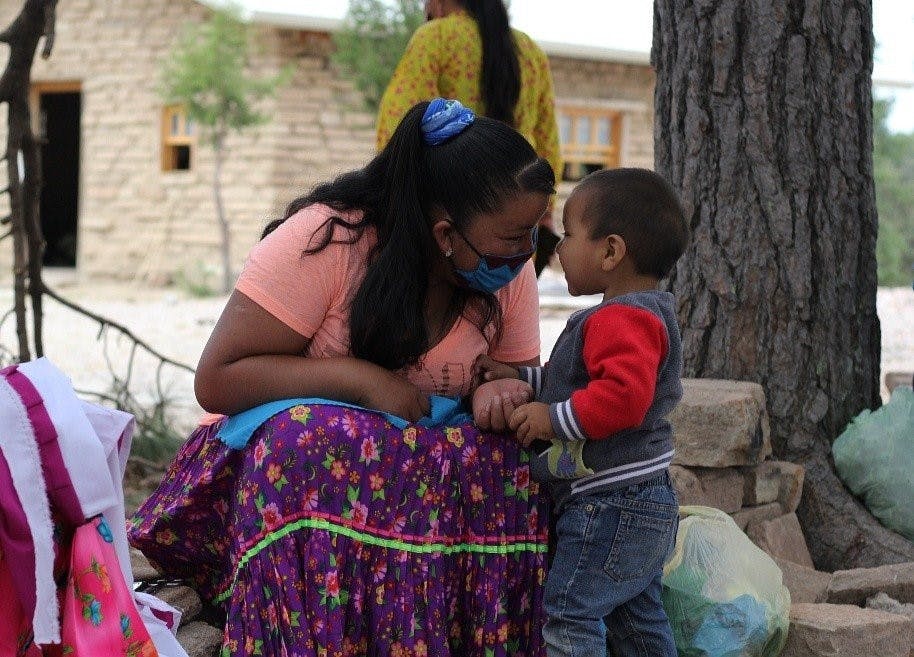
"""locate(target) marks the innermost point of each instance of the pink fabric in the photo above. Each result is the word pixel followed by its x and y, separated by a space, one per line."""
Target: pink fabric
pixel 98 614
pixel 312 294
pixel 15 623
pixel 16 554
pixel 99 617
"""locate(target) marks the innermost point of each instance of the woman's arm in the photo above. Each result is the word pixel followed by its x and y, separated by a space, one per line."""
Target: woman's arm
pixel 253 358
pixel 532 362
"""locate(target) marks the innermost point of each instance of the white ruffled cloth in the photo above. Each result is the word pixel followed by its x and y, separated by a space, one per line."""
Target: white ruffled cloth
pixel 94 443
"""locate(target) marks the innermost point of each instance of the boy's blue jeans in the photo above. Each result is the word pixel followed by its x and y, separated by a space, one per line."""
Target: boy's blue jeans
pixel 604 583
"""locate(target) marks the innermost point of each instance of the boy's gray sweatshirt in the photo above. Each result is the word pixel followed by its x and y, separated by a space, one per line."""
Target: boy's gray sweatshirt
pixel 633 454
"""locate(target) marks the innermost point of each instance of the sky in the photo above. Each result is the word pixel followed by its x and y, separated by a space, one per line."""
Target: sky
pixel 628 25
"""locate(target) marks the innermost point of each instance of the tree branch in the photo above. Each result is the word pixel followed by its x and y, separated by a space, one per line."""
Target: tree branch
pixel 105 322
pixel 50 30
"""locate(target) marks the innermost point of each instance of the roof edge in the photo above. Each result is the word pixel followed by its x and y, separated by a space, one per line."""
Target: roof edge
pixel 325 24
pixel 594 53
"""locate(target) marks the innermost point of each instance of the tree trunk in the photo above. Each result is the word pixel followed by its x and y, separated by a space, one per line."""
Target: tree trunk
pixel 764 125
pixel 20 246
pixel 219 151
pixel 24 164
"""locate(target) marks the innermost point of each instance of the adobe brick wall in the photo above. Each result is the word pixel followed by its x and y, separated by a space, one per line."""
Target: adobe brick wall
pixel 627 87
pixel 138 222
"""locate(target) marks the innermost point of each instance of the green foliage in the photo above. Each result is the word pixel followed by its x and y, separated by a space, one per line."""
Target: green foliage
pixel 893 171
pixel 372 40
pixel 156 439
pixel 200 281
pixel 207 72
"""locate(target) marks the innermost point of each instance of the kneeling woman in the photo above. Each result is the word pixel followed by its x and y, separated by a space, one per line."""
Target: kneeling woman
pixel 353 528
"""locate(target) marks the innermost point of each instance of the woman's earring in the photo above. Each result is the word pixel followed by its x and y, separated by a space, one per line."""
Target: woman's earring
pixel 449 253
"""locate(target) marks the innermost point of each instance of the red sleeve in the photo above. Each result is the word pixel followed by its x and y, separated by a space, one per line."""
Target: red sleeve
pixel 623 349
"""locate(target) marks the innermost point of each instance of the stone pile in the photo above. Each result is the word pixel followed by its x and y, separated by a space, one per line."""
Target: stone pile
pixel 723 460
pixel 865 611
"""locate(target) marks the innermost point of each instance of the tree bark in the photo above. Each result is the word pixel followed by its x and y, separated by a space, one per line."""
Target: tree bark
pixel 20 246
pixel 764 124
pixel 24 164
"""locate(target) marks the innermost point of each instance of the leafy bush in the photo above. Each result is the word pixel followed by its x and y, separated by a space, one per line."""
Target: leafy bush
pixel 372 40
pixel 893 172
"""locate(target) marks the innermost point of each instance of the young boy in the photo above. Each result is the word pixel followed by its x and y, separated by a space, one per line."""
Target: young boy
pixel 602 400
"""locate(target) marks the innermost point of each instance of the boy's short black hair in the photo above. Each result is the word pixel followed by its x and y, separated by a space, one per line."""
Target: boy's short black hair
pixel 642 208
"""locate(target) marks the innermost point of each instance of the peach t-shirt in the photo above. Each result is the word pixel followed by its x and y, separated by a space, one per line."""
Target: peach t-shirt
pixel 312 293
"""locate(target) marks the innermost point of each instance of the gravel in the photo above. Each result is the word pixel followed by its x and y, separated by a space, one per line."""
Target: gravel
pixel 178 326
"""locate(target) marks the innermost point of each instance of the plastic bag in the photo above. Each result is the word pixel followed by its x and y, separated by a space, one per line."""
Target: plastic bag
pixel 875 459
pixel 723 595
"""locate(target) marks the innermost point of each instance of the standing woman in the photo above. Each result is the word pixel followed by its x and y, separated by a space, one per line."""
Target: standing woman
pixel 468 51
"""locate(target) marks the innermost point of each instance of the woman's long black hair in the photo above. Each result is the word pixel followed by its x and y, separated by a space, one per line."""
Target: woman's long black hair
pixel 471 173
pixel 500 64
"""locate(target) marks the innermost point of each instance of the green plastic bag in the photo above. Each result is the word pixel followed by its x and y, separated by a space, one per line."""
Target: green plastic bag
pixel 875 459
pixel 723 595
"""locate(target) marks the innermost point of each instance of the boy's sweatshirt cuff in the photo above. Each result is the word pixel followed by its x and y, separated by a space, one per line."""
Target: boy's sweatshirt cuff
pixel 533 376
pixel 564 422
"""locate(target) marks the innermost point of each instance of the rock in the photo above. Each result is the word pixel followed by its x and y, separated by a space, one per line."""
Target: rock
pixel 200 639
pixel 143 571
pixel 882 602
pixel 720 423
pixel 805 584
pixel 782 538
pixel 753 514
pixel 686 484
pixel 182 598
pixel 773 481
pixel 819 630
pixel 761 483
pixel 791 488
pixel 855 586
pixel 719 488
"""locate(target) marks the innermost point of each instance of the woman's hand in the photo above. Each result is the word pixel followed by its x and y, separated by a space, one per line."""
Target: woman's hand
pixel 532 421
pixel 495 401
pixel 486 369
pixel 390 393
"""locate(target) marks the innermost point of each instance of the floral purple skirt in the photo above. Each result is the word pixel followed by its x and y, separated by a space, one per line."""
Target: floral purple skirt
pixel 334 533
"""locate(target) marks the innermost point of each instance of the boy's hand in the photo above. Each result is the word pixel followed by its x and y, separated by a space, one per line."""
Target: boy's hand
pixel 486 369
pixel 495 401
pixel 532 421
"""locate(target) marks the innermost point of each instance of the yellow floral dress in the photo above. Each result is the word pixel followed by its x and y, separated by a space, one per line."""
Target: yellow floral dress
pixel 444 58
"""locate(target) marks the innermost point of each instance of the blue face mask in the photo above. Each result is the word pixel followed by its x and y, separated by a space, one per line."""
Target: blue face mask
pixel 493 272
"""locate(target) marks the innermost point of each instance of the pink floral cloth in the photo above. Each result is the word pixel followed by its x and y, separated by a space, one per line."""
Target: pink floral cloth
pixel 99 617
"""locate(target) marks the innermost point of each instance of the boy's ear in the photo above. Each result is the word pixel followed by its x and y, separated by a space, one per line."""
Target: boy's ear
pixel 614 250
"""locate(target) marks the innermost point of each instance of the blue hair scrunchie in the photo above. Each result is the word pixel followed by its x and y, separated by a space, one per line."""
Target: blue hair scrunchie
pixel 443 119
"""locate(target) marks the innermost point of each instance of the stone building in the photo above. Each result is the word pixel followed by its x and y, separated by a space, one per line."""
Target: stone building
pixel 127 190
